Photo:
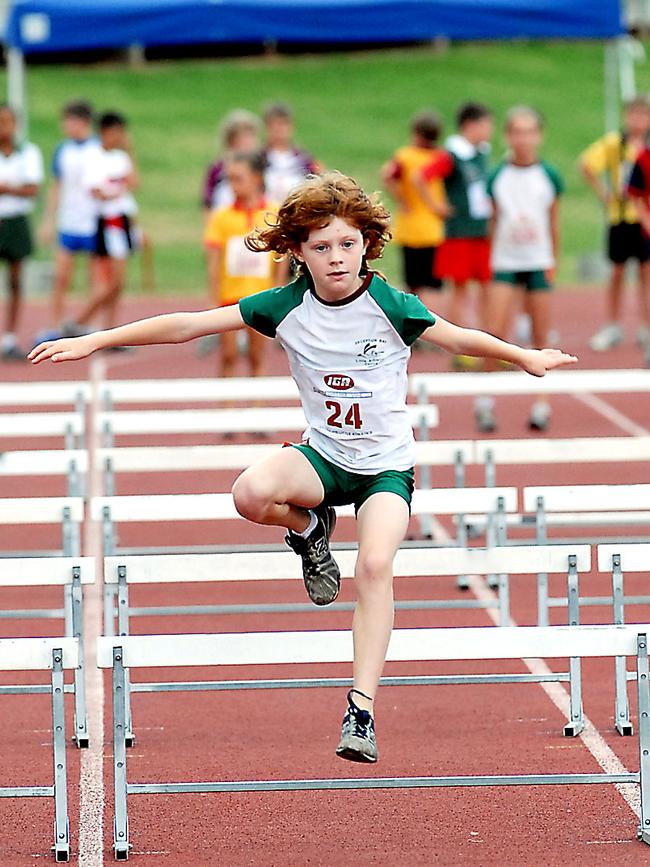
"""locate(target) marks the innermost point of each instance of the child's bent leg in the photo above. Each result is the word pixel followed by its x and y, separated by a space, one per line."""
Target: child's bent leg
pixel 382 524
pixel 279 490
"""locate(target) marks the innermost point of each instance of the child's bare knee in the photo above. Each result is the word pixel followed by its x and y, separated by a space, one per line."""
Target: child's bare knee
pixel 373 569
pixel 252 496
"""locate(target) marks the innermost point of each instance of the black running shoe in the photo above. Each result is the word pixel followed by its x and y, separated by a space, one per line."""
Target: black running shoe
pixel 358 742
pixel 319 570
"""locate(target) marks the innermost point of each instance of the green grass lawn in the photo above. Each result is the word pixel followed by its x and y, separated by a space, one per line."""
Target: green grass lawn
pixel 352 112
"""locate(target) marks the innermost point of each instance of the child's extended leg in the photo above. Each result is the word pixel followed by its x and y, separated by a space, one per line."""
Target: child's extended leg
pixel 285 490
pixel 540 311
pixel 382 524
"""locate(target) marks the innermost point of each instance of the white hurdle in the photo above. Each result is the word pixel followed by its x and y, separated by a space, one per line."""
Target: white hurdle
pixel 56 655
pixel 618 558
pixel 59 393
pixel 582 505
pixel 496 502
pixel 478 643
pixel 71 463
pixel 69 425
pixel 120 572
pixel 66 511
pixel 71 573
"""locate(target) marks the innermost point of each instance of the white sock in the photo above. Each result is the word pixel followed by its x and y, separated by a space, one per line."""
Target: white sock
pixel 8 340
pixel 313 520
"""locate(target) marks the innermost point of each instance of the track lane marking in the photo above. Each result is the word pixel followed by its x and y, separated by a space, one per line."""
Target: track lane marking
pixel 91 775
pixel 609 412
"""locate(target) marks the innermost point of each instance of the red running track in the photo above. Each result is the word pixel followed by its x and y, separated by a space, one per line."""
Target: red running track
pixel 278 734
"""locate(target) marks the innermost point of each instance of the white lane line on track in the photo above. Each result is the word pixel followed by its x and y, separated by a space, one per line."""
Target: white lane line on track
pixel 612 414
pixel 91 777
pixel 590 736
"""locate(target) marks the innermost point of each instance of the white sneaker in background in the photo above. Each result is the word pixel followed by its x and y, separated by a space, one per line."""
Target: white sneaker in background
pixel 540 415
pixel 608 337
pixel 484 416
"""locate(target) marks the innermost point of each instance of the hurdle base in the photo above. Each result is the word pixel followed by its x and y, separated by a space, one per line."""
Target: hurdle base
pixel 573 729
pixel 643 836
pixel 624 728
pixel 121 851
pixel 81 741
pixel 61 847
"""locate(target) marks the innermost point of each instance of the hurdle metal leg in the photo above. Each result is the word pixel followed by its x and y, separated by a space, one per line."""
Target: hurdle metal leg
pixel 462 582
pixel 120 820
pixel 108 539
pixel 123 629
pixel 490 470
pixel 61 846
pixel 622 710
pixel 496 535
pixel 577 723
pixel 542 578
pixel 80 715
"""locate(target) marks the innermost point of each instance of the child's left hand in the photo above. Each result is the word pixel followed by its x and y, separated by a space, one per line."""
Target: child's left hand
pixel 538 362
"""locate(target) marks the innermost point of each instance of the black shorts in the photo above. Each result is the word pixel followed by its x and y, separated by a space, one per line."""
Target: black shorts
pixel 627 241
pixel 418 268
pixel 114 237
pixel 15 238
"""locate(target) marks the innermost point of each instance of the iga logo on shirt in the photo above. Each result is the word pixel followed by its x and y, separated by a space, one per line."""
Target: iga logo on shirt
pixel 338 381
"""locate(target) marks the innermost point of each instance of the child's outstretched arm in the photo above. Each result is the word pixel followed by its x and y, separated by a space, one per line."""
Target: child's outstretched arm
pixel 468 341
pixel 168 328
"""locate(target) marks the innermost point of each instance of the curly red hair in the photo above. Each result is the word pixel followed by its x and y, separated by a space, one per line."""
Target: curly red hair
pixel 313 204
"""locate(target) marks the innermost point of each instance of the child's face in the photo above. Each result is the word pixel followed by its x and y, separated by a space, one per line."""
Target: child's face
pixel 244 139
pixel 479 131
pixel 279 131
pixel 333 255
pixel 244 182
pixel 7 125
pixel 75 127
pixel 637 121
pixel 114 137
pixel 524 137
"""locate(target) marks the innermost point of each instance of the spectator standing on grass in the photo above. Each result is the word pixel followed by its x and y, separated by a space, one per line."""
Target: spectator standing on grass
pixel 239 131
pixel 71 207
pixel 21 174
pixel 110 179
pixel 606 166
pixel 417 227
pixel 235 271
pixel 525 192
pixel 464 255
pixel 347 334
pixel 286 164
pixel 639 191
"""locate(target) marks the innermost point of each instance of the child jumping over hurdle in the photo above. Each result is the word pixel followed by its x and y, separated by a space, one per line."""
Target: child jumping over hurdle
pixel 347 334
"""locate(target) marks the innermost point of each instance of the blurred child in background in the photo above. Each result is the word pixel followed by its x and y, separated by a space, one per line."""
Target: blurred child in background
pixel 110 179
pixel 606 166
pixel 464 255
pixel 239 131
pixel 71 207
pixel 286 164
pixel 419 224
pixel 525 192
pixel 235 271
pixel 21 174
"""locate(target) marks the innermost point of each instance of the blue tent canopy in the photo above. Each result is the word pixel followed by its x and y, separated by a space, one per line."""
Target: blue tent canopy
pixel 37 26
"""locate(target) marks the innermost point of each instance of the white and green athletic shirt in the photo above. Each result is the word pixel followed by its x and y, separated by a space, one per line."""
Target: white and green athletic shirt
pixel 523 197
pixel 349 360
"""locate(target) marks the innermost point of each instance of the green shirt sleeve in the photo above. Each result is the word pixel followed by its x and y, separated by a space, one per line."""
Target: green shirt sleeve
pixel 264 311
pixel 406 313
pixel 555 178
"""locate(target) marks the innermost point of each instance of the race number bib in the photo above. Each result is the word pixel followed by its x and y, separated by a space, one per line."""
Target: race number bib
pixel 242 262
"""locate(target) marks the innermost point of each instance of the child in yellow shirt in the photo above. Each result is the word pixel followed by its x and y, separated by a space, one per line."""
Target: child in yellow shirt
pixel 234 271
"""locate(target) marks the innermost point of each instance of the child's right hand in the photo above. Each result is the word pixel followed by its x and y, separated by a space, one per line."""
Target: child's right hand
pixel 66 349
